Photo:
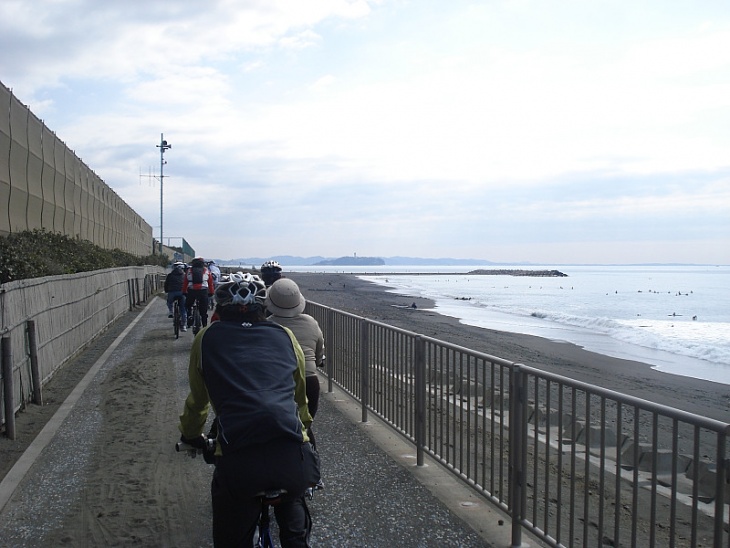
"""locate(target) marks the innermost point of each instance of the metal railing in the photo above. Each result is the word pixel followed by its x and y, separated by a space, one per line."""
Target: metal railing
pixel 572 463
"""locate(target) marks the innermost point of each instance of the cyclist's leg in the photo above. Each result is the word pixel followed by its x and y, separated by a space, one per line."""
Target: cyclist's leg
pixel 189 300
pixel 234 519
pixel 170 300
pixel 313 389
pixel 203 304
pixel 312 382
pixel 183 310
pixel 295 523
pixel 297 468
pixel 199 300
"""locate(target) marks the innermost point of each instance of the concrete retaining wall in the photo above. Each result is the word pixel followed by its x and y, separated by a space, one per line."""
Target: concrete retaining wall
pixel 68 312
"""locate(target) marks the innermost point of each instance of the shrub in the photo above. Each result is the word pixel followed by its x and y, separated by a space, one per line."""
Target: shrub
pixel 37 253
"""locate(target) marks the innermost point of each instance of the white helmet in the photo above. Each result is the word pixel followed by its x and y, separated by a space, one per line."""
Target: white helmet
pixel 242 289
pixel 271 265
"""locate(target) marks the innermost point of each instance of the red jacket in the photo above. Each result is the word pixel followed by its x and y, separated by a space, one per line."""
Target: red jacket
pixel 206 284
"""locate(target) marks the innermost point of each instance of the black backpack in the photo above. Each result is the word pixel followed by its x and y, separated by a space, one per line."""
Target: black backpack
pixel 198 274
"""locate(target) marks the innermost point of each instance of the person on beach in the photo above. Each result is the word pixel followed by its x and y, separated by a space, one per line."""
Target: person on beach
pixel 270 272
pixel 198 286
pixel 174 290
pixel 251 371
pixel 285 303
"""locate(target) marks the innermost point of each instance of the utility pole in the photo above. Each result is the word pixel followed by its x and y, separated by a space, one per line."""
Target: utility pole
pixel 163 146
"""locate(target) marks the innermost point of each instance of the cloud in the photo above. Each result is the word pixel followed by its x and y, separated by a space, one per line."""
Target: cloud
pixel 396 128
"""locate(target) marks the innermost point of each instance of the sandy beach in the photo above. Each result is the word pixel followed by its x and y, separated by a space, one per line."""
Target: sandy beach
pixel 352 294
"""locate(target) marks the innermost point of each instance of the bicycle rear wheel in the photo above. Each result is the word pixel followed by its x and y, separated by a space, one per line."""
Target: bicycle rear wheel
pixel 176 319
pixel 264 531
pixel 197 322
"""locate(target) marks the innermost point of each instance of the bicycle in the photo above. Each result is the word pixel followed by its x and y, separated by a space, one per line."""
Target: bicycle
pixel 268 498
pixel 197 320
pixel 272 498
pixel 176 318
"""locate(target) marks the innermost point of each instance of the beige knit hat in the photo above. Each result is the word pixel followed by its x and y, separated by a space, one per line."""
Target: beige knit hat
pixel 284 299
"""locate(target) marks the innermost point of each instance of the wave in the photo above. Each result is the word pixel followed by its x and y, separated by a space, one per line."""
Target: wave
pixel 590 319
pixel 698 340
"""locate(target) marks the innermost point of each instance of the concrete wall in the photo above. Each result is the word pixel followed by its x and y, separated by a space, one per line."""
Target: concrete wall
pixel 43 184
pixel 69 311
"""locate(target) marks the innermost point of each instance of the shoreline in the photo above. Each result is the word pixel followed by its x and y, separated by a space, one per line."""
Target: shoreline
pixel 349 293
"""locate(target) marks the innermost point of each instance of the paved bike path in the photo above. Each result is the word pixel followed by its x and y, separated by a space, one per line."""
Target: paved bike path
pixel 375 495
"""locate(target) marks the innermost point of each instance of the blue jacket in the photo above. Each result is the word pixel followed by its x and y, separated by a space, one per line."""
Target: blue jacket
pixel 254 377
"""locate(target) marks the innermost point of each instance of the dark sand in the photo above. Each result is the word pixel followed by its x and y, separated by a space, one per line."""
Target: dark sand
pixel 352 294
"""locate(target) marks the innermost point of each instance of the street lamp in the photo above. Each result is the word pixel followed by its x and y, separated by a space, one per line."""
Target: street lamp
pixel 163 146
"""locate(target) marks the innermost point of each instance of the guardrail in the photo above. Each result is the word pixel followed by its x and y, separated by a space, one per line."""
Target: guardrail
pixel 44 322
pixel 573 463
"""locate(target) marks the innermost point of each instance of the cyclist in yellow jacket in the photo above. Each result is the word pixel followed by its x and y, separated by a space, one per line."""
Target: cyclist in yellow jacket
pixel 252 372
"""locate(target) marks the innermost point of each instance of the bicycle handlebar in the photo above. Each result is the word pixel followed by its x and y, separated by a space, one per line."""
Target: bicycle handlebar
pixel 181 446
pixel 208 450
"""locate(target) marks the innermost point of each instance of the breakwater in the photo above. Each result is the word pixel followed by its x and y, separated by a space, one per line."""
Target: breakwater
pixel 479 272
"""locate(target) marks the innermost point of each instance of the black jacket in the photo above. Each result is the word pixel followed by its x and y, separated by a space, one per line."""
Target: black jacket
pixel 174 280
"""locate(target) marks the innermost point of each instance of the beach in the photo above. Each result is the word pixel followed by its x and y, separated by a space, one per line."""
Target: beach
pixel 355 295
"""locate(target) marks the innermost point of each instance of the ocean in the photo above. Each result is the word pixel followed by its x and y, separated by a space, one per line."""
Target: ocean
pixel 675 318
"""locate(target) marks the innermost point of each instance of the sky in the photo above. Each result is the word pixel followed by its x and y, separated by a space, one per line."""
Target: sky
pixel 547 131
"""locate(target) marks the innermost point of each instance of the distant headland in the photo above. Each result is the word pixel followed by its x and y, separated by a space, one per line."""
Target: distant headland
pixel 352 261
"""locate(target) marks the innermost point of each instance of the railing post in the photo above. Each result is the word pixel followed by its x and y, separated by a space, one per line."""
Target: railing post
pixel 419 367
pixel 130 295
pixel 329 365
pixel 8 397
pixel 720 486
pixel 516 448
pixel 365 368
pixel 34 371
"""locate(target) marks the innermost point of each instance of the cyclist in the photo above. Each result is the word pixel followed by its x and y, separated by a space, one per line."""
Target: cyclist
pixel 174 289
pixel 197 286
pixel 252 373
pixel 285 303
pixel 215 272
pixel 270 272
